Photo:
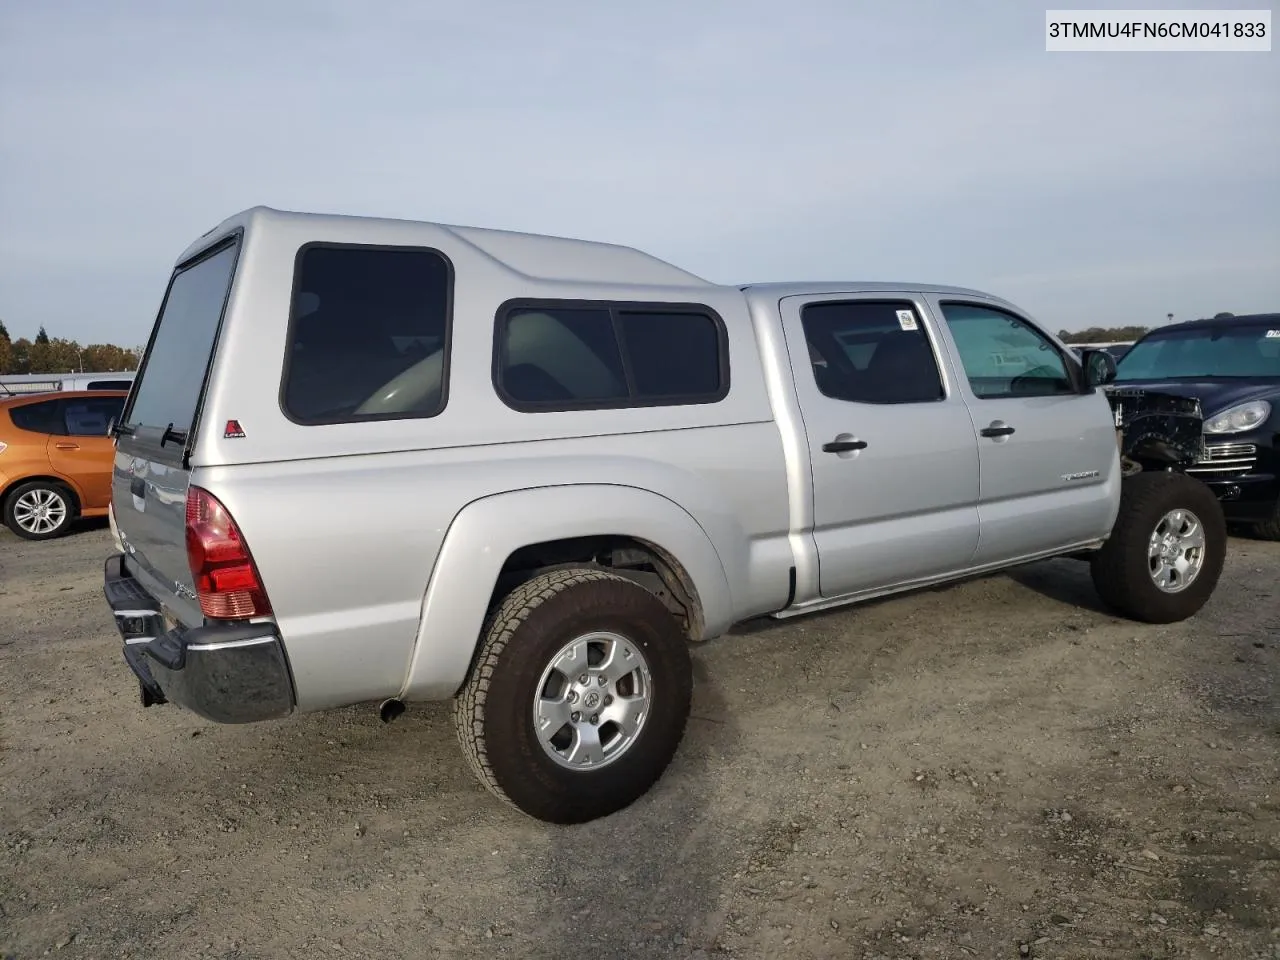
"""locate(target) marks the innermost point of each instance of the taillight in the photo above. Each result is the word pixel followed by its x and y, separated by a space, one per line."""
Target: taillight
pixel 226 580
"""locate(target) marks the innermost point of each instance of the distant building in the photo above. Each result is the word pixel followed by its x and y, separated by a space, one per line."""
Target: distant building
pixel 15 383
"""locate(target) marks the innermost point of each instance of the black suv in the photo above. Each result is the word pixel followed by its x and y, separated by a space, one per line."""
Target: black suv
pixel 1232 366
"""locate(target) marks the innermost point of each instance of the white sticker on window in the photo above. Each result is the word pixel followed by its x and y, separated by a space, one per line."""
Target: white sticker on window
pixel 907 320
pixel 1271 334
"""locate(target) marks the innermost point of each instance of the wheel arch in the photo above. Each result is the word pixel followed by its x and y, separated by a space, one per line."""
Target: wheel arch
pixel 644 562
pixel 496 542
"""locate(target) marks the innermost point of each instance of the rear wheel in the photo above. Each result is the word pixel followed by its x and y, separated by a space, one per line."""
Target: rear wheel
pixel 40 510
pixel 1166 550
pixel 579 698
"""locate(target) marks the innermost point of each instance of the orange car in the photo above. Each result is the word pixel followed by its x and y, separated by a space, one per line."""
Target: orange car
pixel 55 459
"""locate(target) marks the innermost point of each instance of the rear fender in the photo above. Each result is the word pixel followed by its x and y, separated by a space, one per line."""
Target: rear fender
pixel 487 531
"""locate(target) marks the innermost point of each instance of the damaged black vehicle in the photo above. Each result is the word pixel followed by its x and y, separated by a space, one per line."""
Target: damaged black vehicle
pixel 1156 431
pixel 1231 365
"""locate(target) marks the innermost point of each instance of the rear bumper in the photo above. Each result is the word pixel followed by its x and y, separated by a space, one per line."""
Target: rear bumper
pixel 228 673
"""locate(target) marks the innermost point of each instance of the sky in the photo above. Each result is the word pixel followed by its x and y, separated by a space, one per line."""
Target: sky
pixel 742 140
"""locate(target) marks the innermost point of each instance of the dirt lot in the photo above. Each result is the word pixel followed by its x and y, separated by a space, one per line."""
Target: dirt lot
pixel 992 770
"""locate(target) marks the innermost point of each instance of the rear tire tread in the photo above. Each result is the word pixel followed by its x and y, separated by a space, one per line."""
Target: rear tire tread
pixel 510 615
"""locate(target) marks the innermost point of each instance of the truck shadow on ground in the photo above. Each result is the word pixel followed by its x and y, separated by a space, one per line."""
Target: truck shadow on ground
pixel 1066 581
pixel 658 862
pixel 1070 582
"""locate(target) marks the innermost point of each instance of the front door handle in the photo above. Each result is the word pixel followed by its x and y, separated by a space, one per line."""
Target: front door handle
pixel 66 445
pixel 998 428
pixel 843 446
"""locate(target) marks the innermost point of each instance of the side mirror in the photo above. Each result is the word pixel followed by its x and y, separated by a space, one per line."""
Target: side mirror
pixel 1099 367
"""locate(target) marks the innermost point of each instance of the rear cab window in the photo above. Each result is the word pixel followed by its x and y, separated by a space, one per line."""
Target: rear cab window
pixel 171 379
pixel 555 355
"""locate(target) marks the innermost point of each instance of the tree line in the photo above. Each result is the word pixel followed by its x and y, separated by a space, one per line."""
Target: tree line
pixel 1102 335
pixel 47 354
pixel 1114 334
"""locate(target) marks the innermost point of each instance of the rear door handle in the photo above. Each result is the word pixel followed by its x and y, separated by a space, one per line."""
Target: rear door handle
pixel 998 428
pixel 66 445
pixel 843 446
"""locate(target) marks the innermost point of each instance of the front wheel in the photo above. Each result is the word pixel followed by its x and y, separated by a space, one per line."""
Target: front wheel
pixel 579 697
pixel 1166 550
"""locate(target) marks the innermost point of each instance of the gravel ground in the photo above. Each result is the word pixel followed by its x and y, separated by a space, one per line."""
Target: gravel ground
pixel 997 769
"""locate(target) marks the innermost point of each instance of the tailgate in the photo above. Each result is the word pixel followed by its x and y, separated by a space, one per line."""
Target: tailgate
pixel 149 500
pixel 152 471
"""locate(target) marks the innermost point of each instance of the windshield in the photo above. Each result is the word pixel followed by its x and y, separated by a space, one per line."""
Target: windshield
pixel 1245 351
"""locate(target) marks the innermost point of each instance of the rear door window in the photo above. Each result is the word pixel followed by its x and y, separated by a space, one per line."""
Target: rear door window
pixel 369 334
pixel 172 376
pixel 866 351
pixel 90 417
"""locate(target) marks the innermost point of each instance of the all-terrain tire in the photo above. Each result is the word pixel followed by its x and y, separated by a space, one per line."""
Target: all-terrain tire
pixel 1122 567
pixel 55 498
pixel 494 711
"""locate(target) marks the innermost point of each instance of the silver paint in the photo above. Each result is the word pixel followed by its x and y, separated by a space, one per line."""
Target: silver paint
pixel 390 604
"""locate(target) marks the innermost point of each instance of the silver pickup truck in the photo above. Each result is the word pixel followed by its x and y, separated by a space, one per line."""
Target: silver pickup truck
pixel 383 461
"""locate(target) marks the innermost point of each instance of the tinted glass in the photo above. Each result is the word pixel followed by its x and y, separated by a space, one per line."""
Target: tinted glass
pixel 871 352
pixel 369 334
pixel 1244 350
pixel 173 372
pixel 671 354
pixel 109 385
pixel 91 416
pixel 37 417
pixel 1003 356
pixel 561 355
